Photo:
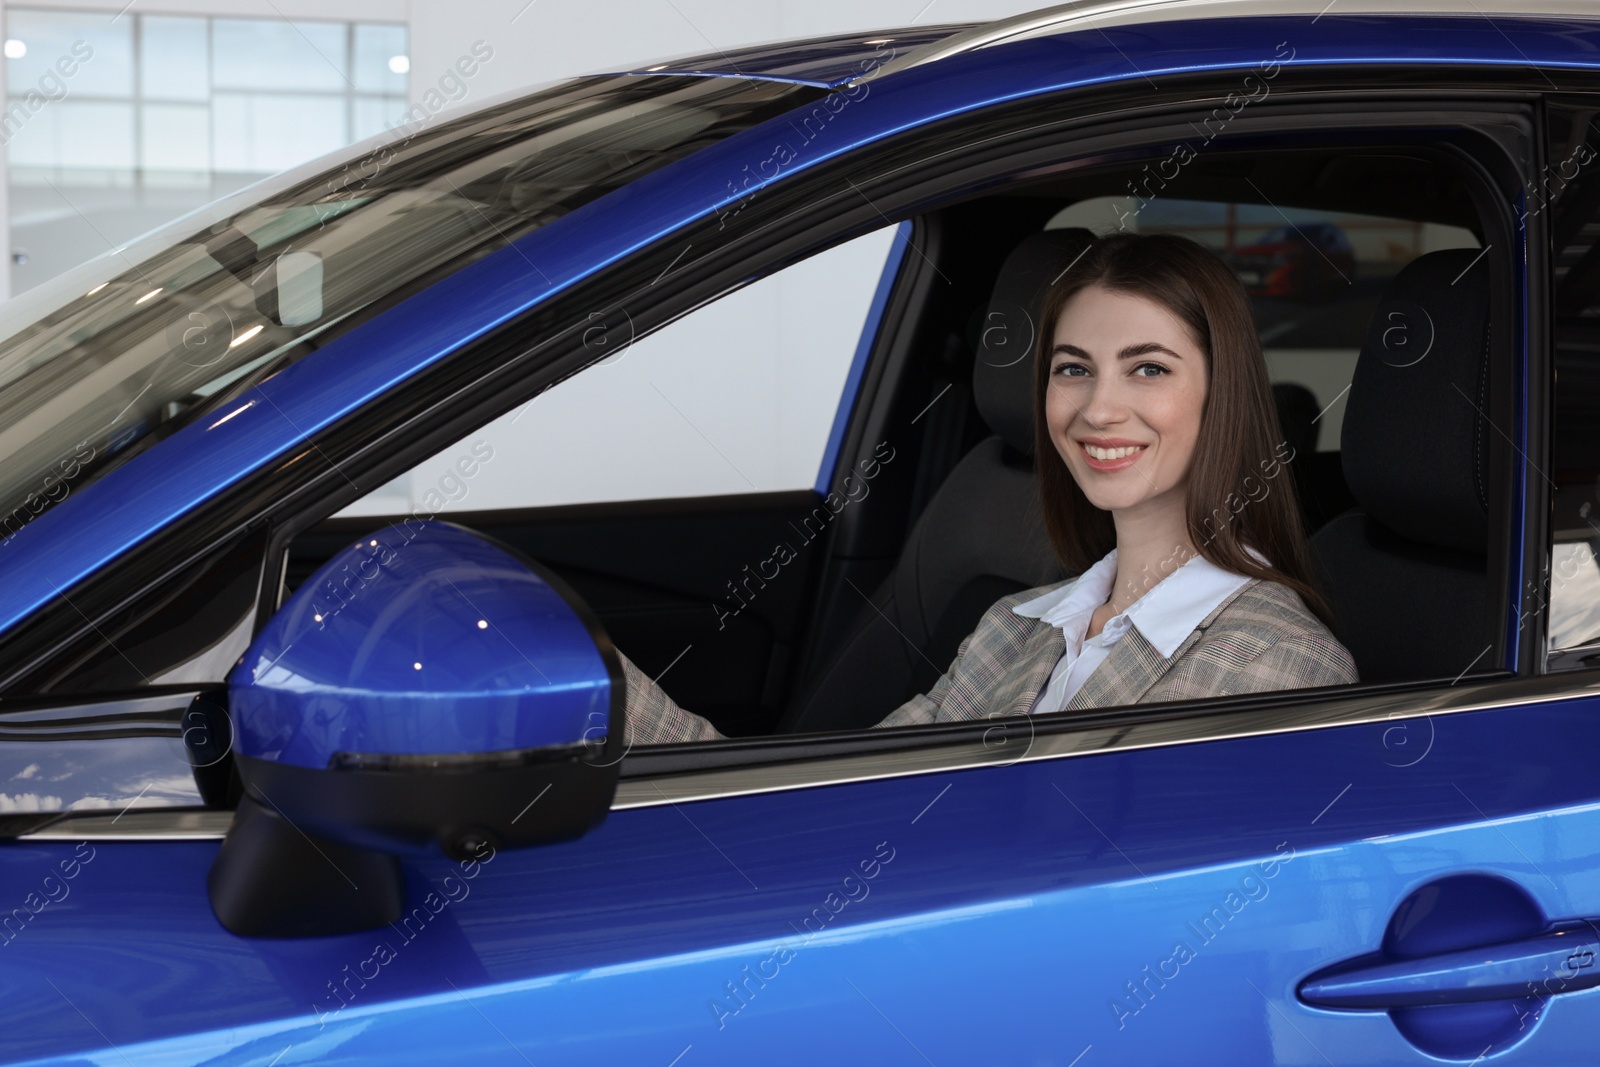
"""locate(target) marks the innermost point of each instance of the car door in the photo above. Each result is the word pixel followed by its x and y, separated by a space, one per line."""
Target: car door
pixel 1106 889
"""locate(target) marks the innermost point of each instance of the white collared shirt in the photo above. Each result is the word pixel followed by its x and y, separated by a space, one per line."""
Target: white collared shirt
pixel 1165 615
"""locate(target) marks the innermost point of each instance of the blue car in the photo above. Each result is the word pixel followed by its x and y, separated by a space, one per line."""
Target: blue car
pixel 328 509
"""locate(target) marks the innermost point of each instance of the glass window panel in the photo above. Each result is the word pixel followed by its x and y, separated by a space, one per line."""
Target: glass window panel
pixel 50 37
pixel 1575 595
pixel 1568 193
pixel 22 146
pixel 375 46
pixel 737 397
pixel 93 353
pixel 174 58
pixel 375 114
pixel 278 54
pixel 175 137
pixel 75 133
pixel 272 132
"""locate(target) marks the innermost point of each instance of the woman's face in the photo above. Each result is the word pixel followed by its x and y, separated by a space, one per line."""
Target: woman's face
pixel 1127 388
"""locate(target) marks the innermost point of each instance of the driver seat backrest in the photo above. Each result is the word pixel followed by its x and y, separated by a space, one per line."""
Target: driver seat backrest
pixel 981 536
pixel 1405 571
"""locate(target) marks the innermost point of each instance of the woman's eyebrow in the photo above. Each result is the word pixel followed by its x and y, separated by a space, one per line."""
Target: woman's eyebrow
pixel 1144 348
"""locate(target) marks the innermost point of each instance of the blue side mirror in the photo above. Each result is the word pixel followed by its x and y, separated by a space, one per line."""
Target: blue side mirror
pixel 422 690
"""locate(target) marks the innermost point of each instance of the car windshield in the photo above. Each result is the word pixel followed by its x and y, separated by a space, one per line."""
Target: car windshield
pixel 102 362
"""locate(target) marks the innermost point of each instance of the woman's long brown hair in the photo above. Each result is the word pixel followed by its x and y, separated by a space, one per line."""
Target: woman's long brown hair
pixel 1240 489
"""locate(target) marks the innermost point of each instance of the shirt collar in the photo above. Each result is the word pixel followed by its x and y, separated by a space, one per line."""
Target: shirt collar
pixel 1075 598
pixel 1165 615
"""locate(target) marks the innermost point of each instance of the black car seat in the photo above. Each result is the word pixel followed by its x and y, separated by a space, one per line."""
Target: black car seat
pixel 1318 478
pixel 981 536
pixel 1297 414
pixel 1405 570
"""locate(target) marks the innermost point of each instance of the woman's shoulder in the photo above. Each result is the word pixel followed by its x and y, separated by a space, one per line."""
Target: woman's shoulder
pixel 1264 602
pixel 1269 616
pixel 1262 605
pixel 1268 638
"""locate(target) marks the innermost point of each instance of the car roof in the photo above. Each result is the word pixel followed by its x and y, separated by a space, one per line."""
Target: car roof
pixel 825 62
pixel 829 62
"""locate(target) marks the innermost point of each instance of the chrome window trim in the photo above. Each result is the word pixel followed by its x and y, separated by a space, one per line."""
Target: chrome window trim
pixel 20 717
pixel 190 824
pixel 975 754
pixel 1103 14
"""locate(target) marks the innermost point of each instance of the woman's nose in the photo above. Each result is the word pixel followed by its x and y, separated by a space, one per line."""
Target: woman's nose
pixel 1105 404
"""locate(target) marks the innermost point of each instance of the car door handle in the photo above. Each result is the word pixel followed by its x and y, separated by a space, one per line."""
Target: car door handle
pixel 1559 960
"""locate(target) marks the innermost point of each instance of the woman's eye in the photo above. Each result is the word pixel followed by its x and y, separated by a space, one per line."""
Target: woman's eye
pixel 1070 370
pixel 1141 368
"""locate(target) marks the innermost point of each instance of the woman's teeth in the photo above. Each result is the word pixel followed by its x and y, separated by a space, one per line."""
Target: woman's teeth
pixel 1104 454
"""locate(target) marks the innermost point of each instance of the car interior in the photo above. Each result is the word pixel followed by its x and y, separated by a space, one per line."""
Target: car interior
pixel 1381 359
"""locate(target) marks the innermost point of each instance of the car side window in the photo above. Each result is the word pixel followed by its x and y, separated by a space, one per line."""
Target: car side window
pixel 1571 196
pixel 738 396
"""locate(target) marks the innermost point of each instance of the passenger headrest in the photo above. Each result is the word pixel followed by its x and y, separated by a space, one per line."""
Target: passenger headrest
pixel 1002 373
pixel 1416 436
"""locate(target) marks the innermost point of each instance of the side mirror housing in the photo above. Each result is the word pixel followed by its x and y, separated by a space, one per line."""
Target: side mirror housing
pixel 426 689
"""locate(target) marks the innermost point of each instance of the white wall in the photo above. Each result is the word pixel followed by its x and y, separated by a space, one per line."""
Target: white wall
pixel 736 397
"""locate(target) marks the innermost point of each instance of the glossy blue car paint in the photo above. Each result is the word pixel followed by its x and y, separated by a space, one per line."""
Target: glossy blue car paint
pixel 389 649
pixel 839 923
pixel 82 533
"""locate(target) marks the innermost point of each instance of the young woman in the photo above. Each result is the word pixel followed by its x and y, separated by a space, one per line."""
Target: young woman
pixel 1165 488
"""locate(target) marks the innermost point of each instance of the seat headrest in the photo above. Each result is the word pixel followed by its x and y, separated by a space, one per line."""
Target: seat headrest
pixel 1002 374
pixel 1416 436
pixel 1297 415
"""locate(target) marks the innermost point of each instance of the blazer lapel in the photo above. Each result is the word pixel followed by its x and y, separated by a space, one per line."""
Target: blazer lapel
pixel 1022 683
pixel 1135 665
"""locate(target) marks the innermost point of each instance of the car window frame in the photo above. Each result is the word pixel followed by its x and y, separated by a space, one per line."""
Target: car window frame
pixel 1583 90
pixel 607 329
pixel 728 756
pixel 1326 96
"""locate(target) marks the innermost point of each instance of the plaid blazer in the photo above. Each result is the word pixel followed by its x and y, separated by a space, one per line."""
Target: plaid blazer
pixel 1261 637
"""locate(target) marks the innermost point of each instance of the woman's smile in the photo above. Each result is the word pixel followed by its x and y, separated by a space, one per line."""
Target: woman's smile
pixel 1105 454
